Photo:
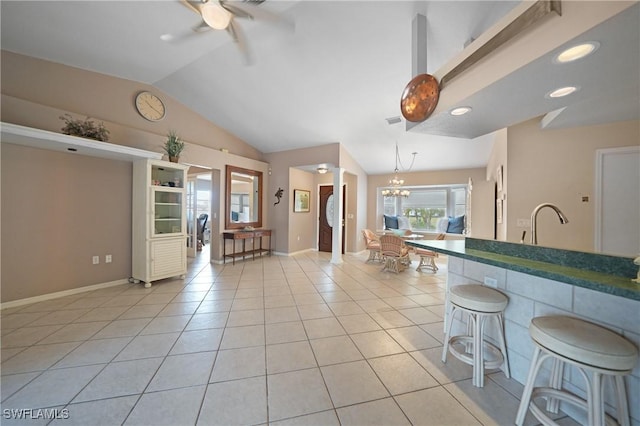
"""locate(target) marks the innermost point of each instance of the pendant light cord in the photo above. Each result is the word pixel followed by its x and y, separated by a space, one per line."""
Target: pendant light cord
pixel 413 159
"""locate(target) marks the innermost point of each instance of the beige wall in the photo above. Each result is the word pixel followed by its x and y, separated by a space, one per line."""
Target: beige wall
pixel 34 94
pixel 104 98
pixel 59 210
pixel 281 164
pixel 558 166
pixel 498 158
pixel 287 175
pixel 302 226
pixel 482 210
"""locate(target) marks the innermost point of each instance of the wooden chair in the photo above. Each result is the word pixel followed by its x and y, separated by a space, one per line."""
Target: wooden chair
pixel 394 253
pixel 373 245
pixel 428 257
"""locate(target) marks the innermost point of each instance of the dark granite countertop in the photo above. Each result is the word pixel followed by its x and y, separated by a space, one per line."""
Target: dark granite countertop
pixel 604 273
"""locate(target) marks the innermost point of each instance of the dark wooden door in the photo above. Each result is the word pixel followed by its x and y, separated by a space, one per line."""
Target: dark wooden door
pixel 325 228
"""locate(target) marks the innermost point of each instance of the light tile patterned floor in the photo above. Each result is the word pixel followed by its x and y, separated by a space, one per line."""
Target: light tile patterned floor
pixel 277 340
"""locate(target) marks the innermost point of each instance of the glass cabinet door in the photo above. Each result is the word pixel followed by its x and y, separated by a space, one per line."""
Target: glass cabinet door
pixel 192 228
pixel 167 211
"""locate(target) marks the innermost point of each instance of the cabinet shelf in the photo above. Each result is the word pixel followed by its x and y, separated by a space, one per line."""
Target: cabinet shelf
pixel 168 188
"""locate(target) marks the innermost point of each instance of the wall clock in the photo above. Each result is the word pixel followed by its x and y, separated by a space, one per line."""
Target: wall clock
pixel 150 106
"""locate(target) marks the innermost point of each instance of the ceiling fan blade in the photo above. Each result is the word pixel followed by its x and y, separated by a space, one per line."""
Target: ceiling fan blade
pixel 194 5
pixel 201 27
pixel 238 37
pixel 237 12
pixel 250 11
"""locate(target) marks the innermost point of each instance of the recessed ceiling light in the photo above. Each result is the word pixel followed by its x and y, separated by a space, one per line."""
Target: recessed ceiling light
pixel 562 91
pixel 577 52
pixel 460 110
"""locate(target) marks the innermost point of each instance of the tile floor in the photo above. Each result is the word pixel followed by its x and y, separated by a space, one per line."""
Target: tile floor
pixel 278 340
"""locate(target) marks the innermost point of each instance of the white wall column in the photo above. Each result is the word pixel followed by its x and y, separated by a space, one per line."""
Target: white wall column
pixel 338 208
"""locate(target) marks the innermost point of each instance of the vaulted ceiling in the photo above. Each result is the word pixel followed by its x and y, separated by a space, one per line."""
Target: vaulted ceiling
pixel 340 73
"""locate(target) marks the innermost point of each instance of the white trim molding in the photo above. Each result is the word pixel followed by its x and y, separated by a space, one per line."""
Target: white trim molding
pixel 58 294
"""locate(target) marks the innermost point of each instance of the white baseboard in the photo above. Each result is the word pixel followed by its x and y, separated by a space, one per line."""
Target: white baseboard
pixel 58 294
pixel 294 253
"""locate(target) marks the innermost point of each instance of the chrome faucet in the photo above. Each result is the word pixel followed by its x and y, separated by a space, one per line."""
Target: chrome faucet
pixel 534 220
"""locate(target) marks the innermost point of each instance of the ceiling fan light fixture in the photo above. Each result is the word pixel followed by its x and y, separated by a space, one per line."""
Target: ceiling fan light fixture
pixel 562 91
pixel 577 52
pixel 216 16
pixel 460 110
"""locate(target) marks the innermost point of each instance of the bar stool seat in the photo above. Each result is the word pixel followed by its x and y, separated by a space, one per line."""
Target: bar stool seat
pixel 478 298
pixel 594 350
pixel 479 303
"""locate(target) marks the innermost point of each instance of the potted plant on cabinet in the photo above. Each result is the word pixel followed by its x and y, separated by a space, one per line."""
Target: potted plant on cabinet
pixel 173 146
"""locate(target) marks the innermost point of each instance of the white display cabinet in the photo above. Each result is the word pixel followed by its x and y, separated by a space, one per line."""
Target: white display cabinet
pixel 159 220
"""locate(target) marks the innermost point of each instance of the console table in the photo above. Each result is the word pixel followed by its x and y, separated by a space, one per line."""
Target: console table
pixel 244 236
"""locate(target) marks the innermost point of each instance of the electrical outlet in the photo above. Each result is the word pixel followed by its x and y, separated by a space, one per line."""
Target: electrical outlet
pixel 523 223
pixel 491 282
pixel 96 260
pixel 108 258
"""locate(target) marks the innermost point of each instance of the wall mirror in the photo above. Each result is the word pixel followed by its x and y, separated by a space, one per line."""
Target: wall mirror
pixel 243 198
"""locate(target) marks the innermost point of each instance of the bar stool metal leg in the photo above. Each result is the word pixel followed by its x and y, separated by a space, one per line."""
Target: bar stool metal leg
pixel 447 331
pixel 478 353
pixel 622 409
pixel 536 362
pixel 503 346
pixel 596 403
pixel 555 382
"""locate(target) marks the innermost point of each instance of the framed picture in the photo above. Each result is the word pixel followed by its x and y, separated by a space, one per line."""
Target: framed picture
pixel 301 201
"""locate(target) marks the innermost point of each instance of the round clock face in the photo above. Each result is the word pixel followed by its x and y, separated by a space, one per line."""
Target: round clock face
pixel 150 106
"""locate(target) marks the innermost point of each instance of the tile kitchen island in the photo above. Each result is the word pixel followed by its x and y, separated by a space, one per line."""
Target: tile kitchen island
pixel 543 281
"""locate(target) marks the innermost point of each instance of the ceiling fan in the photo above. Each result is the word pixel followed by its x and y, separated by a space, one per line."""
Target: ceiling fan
pixel 222 15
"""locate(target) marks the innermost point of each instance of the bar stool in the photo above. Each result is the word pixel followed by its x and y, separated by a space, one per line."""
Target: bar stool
pixel 594 350
pixel 479 303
